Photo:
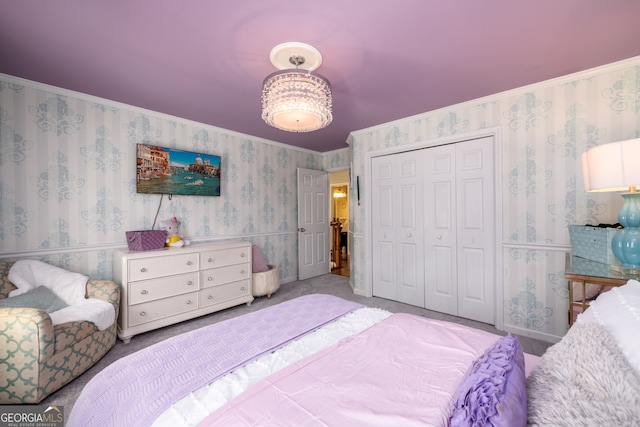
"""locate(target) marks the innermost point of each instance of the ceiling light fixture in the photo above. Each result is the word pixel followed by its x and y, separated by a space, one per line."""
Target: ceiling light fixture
pixel 296 99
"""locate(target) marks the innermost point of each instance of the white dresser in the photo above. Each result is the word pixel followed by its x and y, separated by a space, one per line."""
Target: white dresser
pixel 167 286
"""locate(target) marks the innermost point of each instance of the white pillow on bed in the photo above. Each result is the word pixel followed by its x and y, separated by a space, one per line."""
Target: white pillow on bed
pixel 619 312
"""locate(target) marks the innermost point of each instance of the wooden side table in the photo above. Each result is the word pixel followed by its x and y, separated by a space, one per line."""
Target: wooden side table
pixel 583 271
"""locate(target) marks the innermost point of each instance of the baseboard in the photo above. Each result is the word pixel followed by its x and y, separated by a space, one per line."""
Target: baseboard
pixel 289 279
pixel 532 334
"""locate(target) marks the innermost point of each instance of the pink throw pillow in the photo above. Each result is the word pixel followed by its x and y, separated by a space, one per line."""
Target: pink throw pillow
pixel 259 264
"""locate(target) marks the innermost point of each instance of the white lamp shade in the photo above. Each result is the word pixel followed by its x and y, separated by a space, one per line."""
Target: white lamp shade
pixel 612 167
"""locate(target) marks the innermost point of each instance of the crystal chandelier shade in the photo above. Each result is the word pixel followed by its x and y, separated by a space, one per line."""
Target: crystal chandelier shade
pixel 296 101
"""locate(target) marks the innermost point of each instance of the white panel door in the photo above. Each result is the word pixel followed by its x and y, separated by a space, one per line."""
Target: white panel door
pixel 313 223
pixel 383 227
pixel 459 229
pixel 441 282
pixel 397 235
pixel 476 229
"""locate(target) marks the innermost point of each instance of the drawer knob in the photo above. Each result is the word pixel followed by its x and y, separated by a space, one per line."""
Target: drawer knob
pixel 210 297
pixel 242 255
pixel 143 270
pixel 189 263
pixel 242 288
pixel 189 302
pixel 143 313
pixel 143 292
pixel 210 279
pixel 242 272
pixel 210 260
pixel 189 283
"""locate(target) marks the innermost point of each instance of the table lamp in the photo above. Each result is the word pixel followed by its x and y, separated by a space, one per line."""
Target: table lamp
pixel 616 167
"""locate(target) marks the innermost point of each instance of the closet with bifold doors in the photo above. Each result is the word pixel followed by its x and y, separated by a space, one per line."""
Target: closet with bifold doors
pixel 433 228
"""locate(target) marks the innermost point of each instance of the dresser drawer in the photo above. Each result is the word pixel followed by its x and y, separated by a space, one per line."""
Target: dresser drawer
pixel 162 287
pixel 149 268
pixel 153 310
pixel 211 259
pixel 226 292
pixel 218 276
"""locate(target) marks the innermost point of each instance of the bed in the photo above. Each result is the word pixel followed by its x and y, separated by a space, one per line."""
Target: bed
pixel 320 360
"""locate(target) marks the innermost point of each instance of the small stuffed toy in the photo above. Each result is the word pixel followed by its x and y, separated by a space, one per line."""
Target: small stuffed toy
pixel 174 240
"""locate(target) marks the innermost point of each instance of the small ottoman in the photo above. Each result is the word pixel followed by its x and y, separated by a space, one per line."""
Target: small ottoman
pixel 266 283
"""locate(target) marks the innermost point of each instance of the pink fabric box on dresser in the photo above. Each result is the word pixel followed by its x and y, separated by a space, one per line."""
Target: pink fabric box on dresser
pixel 36 357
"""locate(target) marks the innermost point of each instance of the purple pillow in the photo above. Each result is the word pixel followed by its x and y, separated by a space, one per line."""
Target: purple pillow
pixel 259 264
pixel 493 392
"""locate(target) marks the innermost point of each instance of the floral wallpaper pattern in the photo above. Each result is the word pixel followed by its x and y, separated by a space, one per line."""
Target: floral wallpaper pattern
pixel 68 190
pixel 544 129
pixel 67 183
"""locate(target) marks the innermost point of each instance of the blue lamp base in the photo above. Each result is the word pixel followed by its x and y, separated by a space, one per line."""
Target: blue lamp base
pixel 626 243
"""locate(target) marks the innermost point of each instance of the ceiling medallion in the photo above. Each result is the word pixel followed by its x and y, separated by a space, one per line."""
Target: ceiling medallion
pixel 296 99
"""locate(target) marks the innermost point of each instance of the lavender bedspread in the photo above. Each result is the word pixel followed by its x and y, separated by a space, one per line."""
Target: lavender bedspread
pixel 402 371
pixel 136 389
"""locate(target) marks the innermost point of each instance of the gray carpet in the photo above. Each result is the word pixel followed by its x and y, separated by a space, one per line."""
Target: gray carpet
pixel 326 284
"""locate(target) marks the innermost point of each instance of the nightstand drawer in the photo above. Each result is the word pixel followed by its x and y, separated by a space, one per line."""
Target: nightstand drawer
pixel 150 268
pixel 218 276
pixel 221 258
pixel 162 287
pixel 153 310
pixel 226 292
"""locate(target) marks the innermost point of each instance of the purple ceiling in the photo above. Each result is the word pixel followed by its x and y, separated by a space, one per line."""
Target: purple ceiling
pixel 205 60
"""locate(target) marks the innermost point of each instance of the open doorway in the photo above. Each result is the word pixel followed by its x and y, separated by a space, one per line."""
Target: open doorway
pixel 339 217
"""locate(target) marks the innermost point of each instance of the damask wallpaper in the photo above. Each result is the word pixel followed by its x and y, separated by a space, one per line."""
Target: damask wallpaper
pixel 67 179
pixel 68 190
pixel 543 129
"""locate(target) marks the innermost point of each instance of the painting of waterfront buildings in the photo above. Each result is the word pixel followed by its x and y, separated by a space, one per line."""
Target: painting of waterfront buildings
pixel 161 170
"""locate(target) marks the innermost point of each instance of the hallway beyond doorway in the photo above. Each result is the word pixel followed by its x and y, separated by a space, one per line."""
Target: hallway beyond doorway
pixel 343 270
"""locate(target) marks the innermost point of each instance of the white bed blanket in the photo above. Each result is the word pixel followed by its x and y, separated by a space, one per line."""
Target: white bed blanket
pixel 70 287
